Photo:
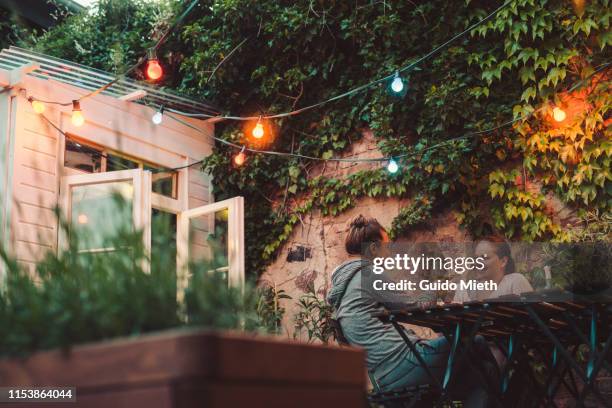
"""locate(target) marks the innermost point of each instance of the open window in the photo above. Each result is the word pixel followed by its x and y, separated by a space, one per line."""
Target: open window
pixel 210 239
pixel 97 206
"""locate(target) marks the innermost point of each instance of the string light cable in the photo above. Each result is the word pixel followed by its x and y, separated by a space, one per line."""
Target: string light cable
pixel 395 158
pixel 150 51
pixel 358 89
pixel 300 110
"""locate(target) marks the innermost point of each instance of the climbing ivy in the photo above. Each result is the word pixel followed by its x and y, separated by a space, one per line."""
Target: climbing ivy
pixel 517 66
pixel 411 215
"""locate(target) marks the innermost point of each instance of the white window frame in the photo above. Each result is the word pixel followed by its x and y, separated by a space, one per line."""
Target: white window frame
pixel 235 241
pixel 145 200
pixel 137 177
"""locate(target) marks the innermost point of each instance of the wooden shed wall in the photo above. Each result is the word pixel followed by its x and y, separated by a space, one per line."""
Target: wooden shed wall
pixel 37 167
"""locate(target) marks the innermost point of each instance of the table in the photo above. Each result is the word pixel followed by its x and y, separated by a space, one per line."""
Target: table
pixel 550 324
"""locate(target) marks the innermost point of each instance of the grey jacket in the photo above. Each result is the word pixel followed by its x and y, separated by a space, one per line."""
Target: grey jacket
pixel 354 308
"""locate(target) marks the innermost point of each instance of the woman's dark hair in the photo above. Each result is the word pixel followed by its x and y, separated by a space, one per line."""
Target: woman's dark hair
pixel 502 249
pixel 362 231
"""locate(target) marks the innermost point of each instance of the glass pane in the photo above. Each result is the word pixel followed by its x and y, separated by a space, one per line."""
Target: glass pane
pixel 208 242
pixel 100 211
pixel 115 163
pixel 163 241
pixel 82 157
pixel 164 183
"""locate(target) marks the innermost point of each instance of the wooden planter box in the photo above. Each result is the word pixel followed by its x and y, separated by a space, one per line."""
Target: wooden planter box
pixel 184 369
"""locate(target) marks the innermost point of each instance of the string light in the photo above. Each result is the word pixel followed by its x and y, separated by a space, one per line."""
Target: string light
pixel 157 71
pixel 258 130
pixel 392 167
pixel 397 85
pixel 559 114
pixel 77 114
pixel 158 116
pixel 38 106
pixel 153 70
pixel 240 158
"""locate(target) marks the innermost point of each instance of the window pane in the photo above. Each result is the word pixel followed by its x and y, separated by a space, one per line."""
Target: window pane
pixel 82 157
pixel 99 212
pixel 208 240
pixel 163 182
pixel 163 241
pixel 116 163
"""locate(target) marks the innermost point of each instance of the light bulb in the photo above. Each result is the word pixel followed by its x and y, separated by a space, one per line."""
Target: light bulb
pixel 77 115
pixel 392 167
pixel 157 118
pixel 258 131
pixel 559 114
pixel 38 106
pixel 239 159
pixel 397 85
pixel 154 70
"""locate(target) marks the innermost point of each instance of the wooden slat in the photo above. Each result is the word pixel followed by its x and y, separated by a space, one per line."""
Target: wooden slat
pixel 182 354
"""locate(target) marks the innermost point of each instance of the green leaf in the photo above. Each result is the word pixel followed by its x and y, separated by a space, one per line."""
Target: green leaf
pixel 526 73
pixel 528 94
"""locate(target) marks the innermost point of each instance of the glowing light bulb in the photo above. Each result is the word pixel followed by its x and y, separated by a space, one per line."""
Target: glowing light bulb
pixel 559 114
pixel 397 85
pixel 154 70
pixel 157 118
pixel 239 159
pixel 38 106
pixel 392 167
pixel 77 114
pixel 258 131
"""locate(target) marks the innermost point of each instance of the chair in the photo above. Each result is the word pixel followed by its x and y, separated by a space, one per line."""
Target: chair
pixel 404 397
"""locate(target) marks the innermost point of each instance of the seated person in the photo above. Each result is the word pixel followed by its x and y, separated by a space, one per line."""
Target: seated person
pixel 499 268
pixel 390 361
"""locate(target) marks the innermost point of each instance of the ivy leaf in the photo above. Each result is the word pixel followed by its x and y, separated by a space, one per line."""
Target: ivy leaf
pixel 526 74
pixel 527 54
pixel 496 189
pixel 528 94
pixel 555 75
pixel 294 172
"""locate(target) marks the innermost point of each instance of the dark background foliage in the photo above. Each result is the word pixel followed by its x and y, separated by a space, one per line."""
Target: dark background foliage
pixel 296 53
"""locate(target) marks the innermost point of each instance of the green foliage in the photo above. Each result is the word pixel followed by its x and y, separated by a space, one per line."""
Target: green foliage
pixel 597 227
pixel 76 297
pixel 520 210
pixel 13 31
pixel 413 214
pixel 112 38
pixel 314 317
pixel 586 267
pixel 518 63
pixel 269 307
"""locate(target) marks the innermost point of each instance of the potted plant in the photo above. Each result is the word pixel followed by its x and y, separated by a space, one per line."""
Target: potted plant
pixel 116 333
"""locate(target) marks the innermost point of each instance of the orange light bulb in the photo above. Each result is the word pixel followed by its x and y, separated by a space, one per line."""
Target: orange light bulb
pixel 239 159
pixel 559 114
pixel 77 114
pixel 258 131
pixel 154 70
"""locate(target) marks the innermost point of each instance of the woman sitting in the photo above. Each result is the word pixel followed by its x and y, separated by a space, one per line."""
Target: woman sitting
pixel 499 268
pixel 390 361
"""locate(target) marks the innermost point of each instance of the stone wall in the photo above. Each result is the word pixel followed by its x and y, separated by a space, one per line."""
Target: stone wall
pixel 316 245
